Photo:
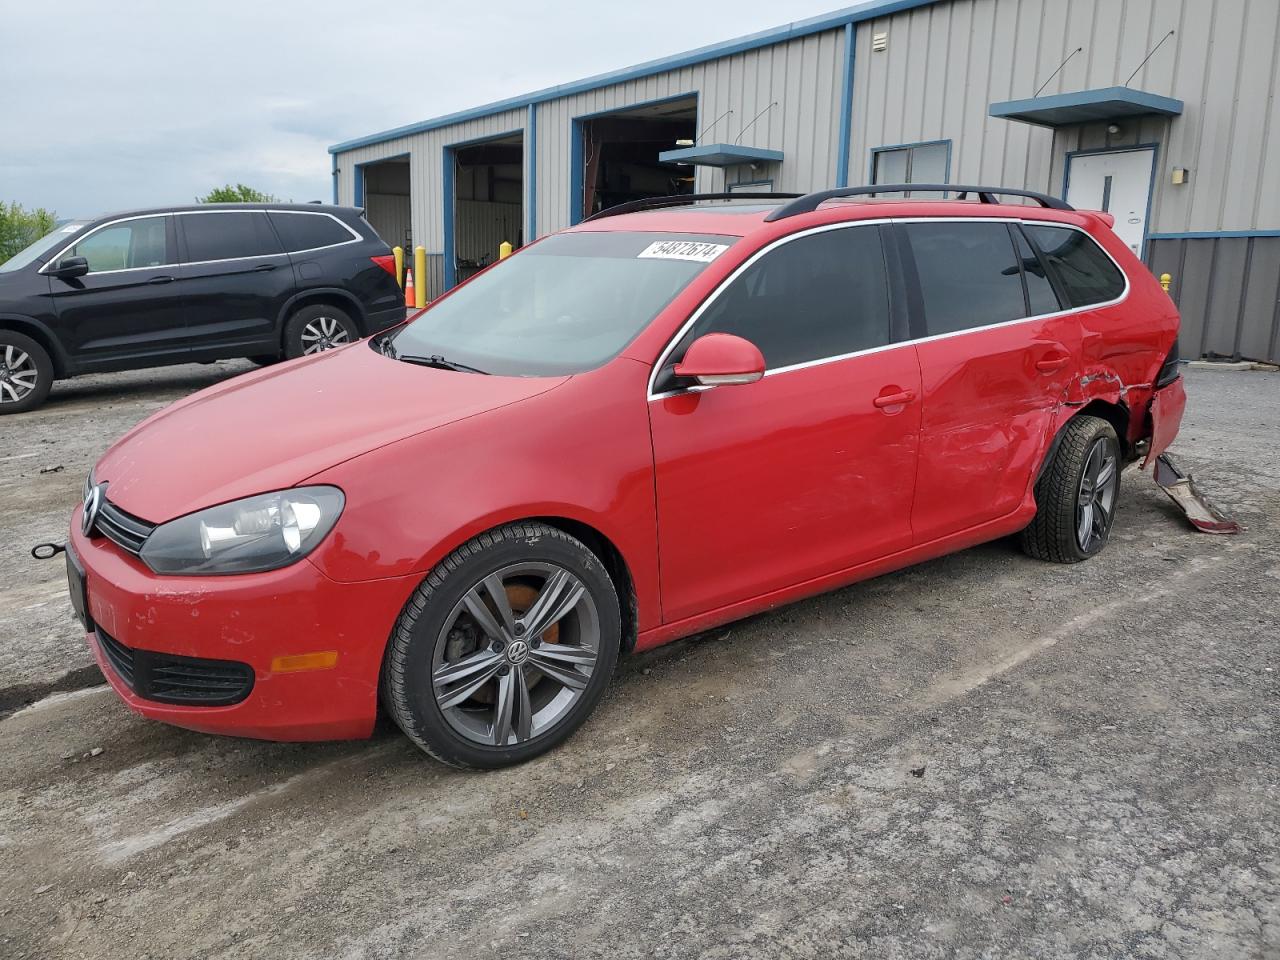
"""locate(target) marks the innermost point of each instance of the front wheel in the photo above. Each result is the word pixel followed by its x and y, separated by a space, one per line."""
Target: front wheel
pixel 26 373
pixel 505 649
pixel 1076 496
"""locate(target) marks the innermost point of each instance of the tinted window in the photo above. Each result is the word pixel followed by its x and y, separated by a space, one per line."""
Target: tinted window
pixel 969 276
pixel 306 231
pixel 226 236
pixel 1086 274
pixel 124 246
pixel 1041 298
pixel 819 296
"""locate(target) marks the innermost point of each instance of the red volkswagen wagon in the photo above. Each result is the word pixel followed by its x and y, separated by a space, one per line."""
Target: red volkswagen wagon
pixel 658 421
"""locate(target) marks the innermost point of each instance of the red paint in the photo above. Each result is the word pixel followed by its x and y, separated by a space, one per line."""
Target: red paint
pixel 720 355
pixel 722 503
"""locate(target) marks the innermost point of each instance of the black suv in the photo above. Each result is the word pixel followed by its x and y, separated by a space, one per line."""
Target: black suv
pixel 189 284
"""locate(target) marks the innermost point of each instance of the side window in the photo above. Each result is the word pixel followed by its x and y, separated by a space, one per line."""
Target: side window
pixel 227 236
pixel 125 246
pixel 969 276
pixel 1086 274
pixel 818 296
pixel 1041 298
pixel 306 231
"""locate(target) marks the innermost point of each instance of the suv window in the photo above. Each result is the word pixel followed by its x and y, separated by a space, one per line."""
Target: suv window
pixel 227 236
pixel 969 276
pixel 1085 273
pixel 126 245
pixel 1041 298
pixel 306 231
pixel 821 295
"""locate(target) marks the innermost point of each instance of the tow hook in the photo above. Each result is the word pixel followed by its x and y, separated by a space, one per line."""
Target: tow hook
pixel 47 551
pixel 1182 490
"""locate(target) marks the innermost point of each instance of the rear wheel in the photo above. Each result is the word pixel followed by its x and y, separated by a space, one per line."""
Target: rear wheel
pixel 316 328
pixel 505 649
pixel 1077 494
pixel 26 373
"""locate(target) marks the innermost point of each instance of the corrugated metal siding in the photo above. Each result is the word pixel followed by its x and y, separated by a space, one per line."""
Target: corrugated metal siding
pixel 390 215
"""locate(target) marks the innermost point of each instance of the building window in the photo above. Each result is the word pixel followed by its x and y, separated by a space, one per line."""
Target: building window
pixel 912 163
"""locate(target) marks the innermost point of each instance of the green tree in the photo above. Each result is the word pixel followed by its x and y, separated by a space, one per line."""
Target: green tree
pixel 20 227
pixel 240 193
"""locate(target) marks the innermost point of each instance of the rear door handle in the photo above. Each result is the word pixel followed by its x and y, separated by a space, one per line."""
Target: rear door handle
pixel 894 399
pixel 264 267
pixel 161 280
pixel 1052 364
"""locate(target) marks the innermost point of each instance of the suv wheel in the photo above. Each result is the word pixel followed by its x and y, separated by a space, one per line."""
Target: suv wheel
pixel 504 650
pixel 316 328
pixel 26 373
pixel 1076 496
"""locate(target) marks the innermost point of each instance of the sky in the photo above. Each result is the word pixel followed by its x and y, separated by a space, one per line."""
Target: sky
pixel 138 103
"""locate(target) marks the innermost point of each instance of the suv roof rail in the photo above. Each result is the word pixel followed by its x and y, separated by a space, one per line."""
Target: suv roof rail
pixel 680 200
pixel 811 201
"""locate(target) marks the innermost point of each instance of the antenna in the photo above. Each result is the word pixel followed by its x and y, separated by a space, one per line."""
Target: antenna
pixel 1058 71
pixel 753 121
pixel 1149 56
pixel 713 125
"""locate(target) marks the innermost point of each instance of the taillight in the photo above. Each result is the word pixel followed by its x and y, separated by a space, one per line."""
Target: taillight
pixel 387 263
pixel 1169 372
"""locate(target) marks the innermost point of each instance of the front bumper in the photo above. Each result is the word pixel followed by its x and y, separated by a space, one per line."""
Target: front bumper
pixel 250 619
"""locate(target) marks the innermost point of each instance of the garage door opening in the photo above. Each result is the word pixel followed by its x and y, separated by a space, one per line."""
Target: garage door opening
pixel 488 202
pixel 386 201
pixel 618 159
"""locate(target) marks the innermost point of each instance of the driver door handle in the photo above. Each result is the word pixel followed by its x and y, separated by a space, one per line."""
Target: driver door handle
pixel 263 267
pixel 164 279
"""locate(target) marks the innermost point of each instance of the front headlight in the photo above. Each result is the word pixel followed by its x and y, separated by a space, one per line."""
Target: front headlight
pixel 247 536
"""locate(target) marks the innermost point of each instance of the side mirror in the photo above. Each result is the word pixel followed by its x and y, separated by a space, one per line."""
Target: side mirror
pixel 69 268
pixel 721 359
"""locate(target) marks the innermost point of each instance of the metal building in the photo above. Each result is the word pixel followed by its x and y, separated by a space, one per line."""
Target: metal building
pixel 1162 112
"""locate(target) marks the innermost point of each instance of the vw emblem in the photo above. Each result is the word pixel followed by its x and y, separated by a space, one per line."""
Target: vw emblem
pixel 517 652
pixel 92 504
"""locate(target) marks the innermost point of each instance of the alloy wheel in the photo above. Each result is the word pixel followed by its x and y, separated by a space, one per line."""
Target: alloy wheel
pixel 18 375
pixel 516 653
pixel 1096 498
pixel 323 333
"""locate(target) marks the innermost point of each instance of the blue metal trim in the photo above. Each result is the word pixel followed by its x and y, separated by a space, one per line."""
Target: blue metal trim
pixel 357 189
pixel 846 107
pixel 1214 235
pixel 754 41
pixel 1125 101
pixel 1131 148
pixel 333 173
pixel 871 164
pixel 720 155
pixel 531 150
pixel 450 259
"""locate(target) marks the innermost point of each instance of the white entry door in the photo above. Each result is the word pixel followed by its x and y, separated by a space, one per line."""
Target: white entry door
pixel 1117 182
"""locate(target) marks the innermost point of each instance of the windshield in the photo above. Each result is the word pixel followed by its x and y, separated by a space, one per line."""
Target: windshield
pixel 45 246
pixel 564 305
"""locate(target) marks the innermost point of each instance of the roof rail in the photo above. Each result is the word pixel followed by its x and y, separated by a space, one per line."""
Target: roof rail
pixel 656 203
pixel 811 201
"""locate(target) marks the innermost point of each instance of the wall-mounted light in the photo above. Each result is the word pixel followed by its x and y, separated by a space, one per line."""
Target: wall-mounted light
pixel 1113 128
pixel 1179 176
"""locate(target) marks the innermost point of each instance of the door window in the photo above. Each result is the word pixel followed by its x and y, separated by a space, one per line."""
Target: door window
pixel 1086 274
pixel 127 245
pixel 821 295
pixel 308 231
pixel 969 275
pixel 1041 298
pixel 227 236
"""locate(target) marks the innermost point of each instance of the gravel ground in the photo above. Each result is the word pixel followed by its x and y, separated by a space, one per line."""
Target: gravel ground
pixel 981 757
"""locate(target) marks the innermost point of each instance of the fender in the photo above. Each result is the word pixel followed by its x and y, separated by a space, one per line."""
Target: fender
pixel 357 311
pixel 41 332
pixel 1099 385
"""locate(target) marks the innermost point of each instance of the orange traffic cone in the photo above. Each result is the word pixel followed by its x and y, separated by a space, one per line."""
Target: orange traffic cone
pixel 409 298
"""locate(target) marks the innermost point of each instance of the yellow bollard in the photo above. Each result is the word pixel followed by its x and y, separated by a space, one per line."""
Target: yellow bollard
pixel 420 271
pixel 504 250
pixel 1165 280
pixel 398 252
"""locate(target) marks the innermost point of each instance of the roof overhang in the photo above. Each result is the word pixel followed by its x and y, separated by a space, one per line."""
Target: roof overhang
pixel 1087 106
pixel 720 155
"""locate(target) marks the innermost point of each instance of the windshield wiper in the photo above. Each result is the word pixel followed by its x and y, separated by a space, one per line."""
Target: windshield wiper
pixel 437 361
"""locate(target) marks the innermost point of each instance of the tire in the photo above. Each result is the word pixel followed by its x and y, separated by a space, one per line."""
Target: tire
pixel 26 373
pixel 317 327
pixel 1085 467
pixel 548 683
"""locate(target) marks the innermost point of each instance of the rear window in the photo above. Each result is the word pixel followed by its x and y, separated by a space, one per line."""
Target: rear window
pixel 1085 273
pixel 306 231
pixel 969 275
pixel 227 236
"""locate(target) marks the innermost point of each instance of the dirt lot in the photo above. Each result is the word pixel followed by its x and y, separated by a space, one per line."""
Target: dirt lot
pixel 1097 747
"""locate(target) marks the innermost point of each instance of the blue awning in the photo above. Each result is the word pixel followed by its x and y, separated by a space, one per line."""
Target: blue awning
pixel 1087 106
pixel 719 155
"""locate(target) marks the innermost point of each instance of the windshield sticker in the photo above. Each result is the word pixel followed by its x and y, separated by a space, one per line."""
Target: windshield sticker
pixel 683 250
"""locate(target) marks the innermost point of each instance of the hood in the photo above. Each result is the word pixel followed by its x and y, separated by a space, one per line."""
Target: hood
pixel 274 428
